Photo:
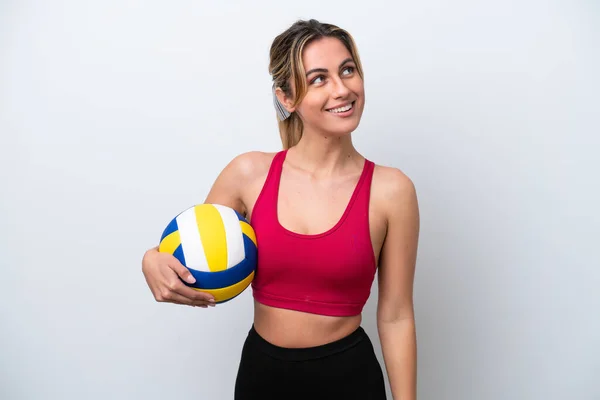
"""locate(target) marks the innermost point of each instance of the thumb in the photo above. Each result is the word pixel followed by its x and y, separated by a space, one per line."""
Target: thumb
pixel 182 271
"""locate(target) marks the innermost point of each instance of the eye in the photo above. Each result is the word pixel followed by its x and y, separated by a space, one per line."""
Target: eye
pixel 349 69
pixel 318 79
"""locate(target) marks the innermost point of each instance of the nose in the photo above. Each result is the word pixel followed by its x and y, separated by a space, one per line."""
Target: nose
pixel 339 90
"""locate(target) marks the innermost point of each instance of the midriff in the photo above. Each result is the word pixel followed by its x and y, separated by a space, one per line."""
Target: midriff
pixel 295 329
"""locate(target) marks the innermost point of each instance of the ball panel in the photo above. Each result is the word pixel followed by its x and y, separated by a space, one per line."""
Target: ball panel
pixel 169 243
pixel 240 216
pixel 172 227
pixel 190 240
pixel 216 280
pixel 251 250
pixel 229 292
pixel 178 254
pixel 225 301
pixel 233 234
pixel 212 234
pixel 248 231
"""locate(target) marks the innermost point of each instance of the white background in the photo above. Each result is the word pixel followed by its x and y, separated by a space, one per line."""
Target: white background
pixel 116 115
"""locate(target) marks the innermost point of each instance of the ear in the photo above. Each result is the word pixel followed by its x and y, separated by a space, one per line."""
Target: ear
pixel 284 100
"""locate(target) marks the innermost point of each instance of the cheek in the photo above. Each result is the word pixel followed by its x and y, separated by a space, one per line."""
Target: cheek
pixel 312 104
pixel 358 87
pixel 359 91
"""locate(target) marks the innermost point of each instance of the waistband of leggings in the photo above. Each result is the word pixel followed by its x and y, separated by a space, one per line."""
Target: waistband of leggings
pixel 306 353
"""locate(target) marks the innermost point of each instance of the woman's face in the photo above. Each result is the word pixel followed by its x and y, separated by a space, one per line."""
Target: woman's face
pixel 335 95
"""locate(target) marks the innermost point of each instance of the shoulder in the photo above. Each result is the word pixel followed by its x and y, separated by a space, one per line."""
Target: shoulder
pixel 250 165
pixel 241 173
pixel 394 193
pixel 392 184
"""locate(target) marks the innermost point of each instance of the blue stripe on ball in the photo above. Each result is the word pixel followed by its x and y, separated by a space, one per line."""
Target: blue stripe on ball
pixel 250 250
pixel 230 276
pixel 178 253
pixel 172 227
pixel 240 217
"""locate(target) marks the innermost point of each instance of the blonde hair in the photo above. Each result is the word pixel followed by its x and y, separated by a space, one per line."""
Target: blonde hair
pixel 285 66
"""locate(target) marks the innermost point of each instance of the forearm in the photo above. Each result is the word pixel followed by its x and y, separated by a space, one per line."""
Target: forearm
pixel 399 346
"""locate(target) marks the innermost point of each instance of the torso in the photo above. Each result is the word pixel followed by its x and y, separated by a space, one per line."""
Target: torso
pixel 321 205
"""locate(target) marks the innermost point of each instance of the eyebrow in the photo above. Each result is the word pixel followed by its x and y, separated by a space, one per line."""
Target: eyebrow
pixel 347 60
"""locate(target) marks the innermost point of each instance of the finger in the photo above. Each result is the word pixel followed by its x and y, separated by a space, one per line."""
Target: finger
pixel 181 270
pixel 174 284
pixel 192 294
pixel 173 297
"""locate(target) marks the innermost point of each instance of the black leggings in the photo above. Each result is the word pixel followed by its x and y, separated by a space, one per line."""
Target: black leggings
pixel 344 369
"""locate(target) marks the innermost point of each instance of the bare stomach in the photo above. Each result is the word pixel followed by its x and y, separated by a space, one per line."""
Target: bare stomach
pixel 295 329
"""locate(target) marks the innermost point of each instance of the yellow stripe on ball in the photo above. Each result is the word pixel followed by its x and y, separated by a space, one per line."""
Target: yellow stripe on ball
pixel 212 234
pixel 229 292
pixel 170 243
pixel 248 231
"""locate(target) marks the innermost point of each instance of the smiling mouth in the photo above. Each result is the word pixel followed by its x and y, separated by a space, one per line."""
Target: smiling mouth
pixel 343 109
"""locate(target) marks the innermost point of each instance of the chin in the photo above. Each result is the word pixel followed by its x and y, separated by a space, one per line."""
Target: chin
pixel 341 130
pixel 343 127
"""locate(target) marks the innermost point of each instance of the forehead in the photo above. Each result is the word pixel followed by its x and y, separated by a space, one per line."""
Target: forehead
pixel 323 53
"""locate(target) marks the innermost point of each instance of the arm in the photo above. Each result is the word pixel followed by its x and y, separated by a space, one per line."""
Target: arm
pixel 163 271
pixel 395 313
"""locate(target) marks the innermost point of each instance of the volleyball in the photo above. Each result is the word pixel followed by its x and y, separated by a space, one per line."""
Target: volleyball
pixel 217 245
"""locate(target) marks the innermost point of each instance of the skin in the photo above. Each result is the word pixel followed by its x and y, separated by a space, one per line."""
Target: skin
pixel 319 175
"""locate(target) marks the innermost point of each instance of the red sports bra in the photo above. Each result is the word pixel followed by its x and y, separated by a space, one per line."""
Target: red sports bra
pixel 330 273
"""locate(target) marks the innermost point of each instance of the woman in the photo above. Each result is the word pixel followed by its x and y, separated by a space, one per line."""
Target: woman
pixel 325 219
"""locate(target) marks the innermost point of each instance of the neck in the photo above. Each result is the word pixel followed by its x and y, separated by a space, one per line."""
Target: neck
pixel 325 155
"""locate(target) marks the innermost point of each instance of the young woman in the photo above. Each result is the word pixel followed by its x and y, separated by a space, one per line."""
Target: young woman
pixel 325 219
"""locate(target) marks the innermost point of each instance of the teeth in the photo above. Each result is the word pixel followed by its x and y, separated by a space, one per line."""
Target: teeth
pixel 341 109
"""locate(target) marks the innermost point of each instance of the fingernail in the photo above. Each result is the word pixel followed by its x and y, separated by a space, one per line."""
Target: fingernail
pixel 211 300
pixel 190 279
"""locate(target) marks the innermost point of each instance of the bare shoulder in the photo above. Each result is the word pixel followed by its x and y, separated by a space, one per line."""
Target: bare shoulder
pixel 394 196
pixel 241 173
pixel 251 165
pixel 395 199
pixel 392 185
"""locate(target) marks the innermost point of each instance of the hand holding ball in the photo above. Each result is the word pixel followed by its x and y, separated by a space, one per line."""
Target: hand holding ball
pixel 217 245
